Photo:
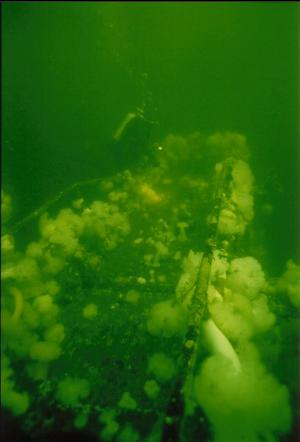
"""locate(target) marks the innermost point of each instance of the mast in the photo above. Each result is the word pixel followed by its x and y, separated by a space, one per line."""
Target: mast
pixel 180 408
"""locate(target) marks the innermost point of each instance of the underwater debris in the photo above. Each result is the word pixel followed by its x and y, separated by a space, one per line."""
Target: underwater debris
pixel 179 301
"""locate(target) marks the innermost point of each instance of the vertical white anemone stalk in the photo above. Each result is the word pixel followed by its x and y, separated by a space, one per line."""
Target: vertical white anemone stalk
pixel 19 303
pixel 217 343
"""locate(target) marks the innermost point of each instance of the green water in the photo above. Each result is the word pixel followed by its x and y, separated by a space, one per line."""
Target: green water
pixel 71 72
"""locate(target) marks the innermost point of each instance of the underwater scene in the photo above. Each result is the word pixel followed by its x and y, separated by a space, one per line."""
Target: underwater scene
pixel 150 253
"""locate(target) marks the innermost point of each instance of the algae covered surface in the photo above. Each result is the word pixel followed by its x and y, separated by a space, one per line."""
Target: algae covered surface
pixel 150 269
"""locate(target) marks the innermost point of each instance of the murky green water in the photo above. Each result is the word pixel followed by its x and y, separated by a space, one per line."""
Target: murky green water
pixel 150 234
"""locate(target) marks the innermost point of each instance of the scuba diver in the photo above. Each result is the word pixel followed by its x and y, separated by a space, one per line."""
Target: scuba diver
pixel 131 143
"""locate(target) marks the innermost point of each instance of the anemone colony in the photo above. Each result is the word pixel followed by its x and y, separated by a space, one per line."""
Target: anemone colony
pixel 95 306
